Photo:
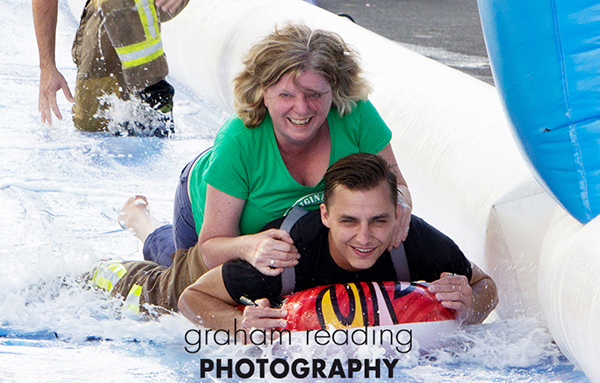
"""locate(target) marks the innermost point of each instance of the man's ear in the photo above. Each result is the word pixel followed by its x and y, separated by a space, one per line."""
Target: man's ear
pixel 398 211
pixel 324 215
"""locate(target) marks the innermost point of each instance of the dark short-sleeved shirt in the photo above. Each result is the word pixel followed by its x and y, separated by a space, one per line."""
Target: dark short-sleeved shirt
pixel 428 251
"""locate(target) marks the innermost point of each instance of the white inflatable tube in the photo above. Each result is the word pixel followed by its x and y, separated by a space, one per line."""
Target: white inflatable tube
pixel 569 290
pixel 453 145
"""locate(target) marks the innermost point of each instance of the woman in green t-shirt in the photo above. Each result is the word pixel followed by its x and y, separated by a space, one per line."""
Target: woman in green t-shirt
pixel 301 104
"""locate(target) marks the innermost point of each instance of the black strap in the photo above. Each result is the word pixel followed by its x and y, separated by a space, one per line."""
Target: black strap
pixel 288 276
pixel 295 214
pixel 400 262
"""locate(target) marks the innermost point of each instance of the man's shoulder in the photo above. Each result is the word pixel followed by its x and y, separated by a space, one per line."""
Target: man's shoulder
pixel 305 225
pixel 308 228
pixel 430 252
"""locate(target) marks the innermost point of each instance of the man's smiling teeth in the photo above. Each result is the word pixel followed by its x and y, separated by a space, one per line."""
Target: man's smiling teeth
pixel 362 250
pixel 299 122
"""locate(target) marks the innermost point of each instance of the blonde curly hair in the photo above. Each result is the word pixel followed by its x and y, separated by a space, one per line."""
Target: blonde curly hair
pixel 293 49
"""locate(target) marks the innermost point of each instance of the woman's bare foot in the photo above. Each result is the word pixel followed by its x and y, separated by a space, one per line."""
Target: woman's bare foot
pixel 136 216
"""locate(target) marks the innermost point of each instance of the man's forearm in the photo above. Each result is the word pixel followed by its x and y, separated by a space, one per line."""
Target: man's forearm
pixel 208 311
pixel 484 300
pixel 208 303
pixel 45 14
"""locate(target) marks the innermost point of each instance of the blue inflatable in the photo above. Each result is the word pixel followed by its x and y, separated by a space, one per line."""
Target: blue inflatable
pixel 545 58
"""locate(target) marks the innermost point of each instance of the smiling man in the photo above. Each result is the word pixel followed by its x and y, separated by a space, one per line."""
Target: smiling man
pixel 345 242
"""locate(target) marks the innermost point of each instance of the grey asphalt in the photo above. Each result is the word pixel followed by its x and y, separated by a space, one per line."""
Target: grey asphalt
pixel 446 30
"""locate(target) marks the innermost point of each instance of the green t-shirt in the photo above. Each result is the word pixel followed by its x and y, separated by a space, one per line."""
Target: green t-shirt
pixel 246 163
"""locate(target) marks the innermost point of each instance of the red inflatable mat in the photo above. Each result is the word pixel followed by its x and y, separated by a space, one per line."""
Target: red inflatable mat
pixel 363 304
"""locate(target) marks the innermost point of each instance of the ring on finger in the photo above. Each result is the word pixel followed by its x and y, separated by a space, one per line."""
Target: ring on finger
pixel 272 263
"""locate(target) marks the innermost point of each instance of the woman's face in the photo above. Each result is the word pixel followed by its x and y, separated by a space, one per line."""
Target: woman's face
pixel 298 114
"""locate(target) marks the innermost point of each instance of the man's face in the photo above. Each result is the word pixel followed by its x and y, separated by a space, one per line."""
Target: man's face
pixel 360 225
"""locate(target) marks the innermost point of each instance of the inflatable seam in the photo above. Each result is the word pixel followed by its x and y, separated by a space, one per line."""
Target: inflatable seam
pixel 583 188
pixel 581 174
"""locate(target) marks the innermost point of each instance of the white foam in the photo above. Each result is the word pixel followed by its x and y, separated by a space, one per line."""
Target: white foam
pixel 60 194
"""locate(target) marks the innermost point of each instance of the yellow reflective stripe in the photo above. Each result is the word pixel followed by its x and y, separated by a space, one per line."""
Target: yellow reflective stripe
pixel 108 274
pixel 148 16
pixel 132 301
pixel 103 283
pixel 143 60
pixel 151 48
pixel 140 53
pixel 118 268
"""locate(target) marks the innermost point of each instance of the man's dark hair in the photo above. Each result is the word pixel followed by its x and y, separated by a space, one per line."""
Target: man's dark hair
pixel 360 171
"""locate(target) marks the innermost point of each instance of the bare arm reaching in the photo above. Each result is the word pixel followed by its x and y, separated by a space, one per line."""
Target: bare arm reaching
pixel 51 80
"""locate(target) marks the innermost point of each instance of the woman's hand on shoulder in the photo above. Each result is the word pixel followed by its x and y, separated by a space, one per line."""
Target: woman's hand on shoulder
pixel 271 251
pixel 404 199
pixel 402 223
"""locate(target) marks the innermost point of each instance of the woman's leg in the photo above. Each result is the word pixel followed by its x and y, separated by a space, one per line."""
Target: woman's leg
pixel 162 241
